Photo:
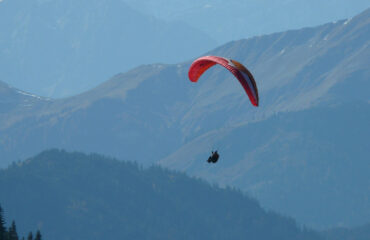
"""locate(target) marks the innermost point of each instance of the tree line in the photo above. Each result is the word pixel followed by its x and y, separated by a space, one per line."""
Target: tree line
pixel 11 232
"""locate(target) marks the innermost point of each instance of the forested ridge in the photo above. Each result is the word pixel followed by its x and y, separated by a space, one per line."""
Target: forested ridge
pixel 90 196
pixel 79 196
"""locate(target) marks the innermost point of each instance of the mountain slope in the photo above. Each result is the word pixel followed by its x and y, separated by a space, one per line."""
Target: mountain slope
pixel 311 164
pixel 79 123
pixel 15 104
pixel 306 164
pixel 77 196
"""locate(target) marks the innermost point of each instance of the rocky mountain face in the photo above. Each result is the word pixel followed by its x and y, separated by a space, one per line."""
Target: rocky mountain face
pixel 303 152
pixel 78 44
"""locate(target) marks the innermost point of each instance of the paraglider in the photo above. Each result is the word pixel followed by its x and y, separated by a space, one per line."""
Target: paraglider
pixel 244 76
pixel 246 79
pixel 214 157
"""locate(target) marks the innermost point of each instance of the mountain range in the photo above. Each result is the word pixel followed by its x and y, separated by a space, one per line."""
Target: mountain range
pixel 236 19
pixel 299 153
pixel 78 44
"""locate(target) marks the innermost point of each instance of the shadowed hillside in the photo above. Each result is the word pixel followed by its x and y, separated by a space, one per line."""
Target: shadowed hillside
pixel 78 196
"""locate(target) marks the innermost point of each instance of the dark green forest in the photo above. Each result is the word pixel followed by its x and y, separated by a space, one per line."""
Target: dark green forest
pixel 11 232
pixel 79 196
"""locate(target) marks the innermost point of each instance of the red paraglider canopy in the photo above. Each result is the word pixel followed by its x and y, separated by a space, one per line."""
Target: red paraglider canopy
pixel 200 65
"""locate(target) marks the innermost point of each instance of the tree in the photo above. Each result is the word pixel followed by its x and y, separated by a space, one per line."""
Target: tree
pixel 3 232
pixel 12 233
pixel 30 236
pixel 38 235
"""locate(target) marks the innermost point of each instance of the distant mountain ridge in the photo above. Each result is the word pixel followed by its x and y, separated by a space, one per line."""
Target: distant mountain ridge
pixel 238 19
pixel 78 44
pixel 313 73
